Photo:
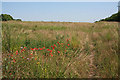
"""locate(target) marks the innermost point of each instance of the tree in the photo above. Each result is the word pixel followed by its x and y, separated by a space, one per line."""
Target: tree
pixel 114 17
pixel 6 17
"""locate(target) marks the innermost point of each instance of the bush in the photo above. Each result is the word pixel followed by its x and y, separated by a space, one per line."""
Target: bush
pixel 6 17
pixel 17 19
pixel 114 17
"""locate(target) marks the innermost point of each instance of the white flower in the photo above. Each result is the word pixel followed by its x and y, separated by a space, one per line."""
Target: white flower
pixel 28 58
pixel 21 47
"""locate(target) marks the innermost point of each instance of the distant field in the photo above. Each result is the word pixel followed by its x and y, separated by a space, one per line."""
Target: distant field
pixel 59 49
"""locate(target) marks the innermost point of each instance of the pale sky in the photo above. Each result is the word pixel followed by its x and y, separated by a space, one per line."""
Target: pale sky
pixel 60 0
pixel 60 11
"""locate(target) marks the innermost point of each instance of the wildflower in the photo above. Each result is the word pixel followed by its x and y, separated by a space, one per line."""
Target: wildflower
pixel 35 48
pixel 51 46
pixel 31 54
pixel 24 47
pixel 21 47
pixel 45 70
pixel 32 49
pixel 10 73
pixel 43 47
pixel 58 42
pixel 38 62
pixel 14 60
pixel 51 55
pixel 68 44
pixel 16 53
pixel 11 55
pixel 23 57
pixel 55 45
pixel 50 50
pixel 27 58
pixel 67 39
pixel 58 51
pixel 21 50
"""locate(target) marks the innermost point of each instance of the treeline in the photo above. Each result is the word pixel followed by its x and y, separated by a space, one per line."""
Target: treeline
pixel 114 17
pixel 6 17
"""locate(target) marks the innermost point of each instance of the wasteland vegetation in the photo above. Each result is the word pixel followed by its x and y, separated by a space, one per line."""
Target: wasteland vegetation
pixel 59 49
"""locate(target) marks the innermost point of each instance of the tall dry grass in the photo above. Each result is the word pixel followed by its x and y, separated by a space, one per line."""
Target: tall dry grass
pixel 92 51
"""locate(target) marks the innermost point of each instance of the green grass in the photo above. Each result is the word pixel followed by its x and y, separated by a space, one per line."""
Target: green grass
pixel 77 41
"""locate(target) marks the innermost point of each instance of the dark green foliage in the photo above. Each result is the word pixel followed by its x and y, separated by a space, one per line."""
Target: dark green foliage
pixel 6 17
pixel 114 17
pixel 17 19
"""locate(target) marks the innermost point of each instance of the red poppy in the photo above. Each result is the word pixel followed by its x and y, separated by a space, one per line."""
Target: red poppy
pixel 32 49
pixel 58 51
pixel 14 60
pixel 41 48
pixel 50 50
pixel 67 39
pixel 16 53
pixel 44 47
pixel 55 45
pixel 51 46
pixel 21 51
pixel 10 73
pixel 51 55
pixel 24 47
pixel 35 48
pixel 23 57
pixel 57 42
pixel 68 44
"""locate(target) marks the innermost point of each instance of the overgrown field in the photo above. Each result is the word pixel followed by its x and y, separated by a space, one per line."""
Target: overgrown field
pixel 59 50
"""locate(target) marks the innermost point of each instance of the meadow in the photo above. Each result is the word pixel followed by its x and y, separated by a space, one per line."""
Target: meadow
pixel 59 49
